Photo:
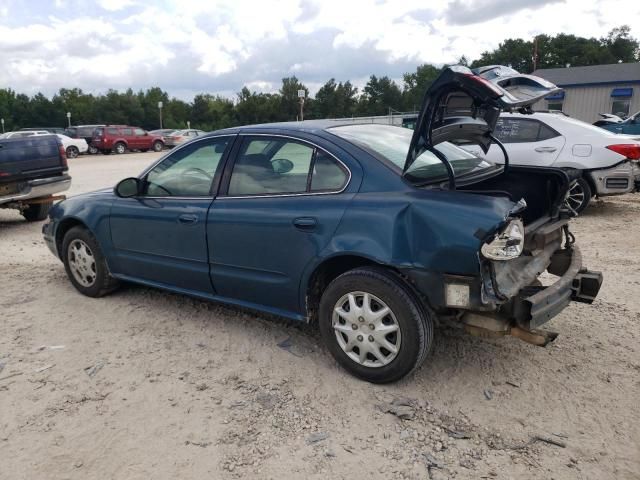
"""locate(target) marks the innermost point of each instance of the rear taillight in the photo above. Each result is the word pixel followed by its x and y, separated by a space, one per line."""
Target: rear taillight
pixel 497 90
pixel 629 150
pixel 63 155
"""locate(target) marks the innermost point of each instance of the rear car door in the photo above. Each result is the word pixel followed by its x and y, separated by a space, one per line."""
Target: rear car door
pixel 160 235
pixel 140 139
pixel 280 203
pixel 527 141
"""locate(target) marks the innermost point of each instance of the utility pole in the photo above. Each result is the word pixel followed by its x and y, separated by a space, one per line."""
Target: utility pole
pixel 160 110
pixel 69 119
pixel 535 53
pixel 2 121
pixel 301 95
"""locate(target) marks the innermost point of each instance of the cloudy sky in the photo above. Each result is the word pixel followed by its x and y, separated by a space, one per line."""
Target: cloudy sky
pixel 190 46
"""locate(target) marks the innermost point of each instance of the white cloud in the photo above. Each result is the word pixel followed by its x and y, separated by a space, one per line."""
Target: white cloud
pixel 218 46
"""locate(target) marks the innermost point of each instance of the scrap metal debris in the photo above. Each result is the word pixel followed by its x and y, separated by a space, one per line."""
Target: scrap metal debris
pixel 551 441
pixel 317 437
pixel 488 394
pixel 403 408
pixel 95 368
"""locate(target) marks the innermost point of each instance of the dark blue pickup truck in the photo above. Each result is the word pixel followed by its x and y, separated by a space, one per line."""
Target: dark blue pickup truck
pixel 32 171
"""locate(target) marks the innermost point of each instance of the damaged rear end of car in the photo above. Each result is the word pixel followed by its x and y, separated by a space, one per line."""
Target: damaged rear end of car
pixel 529 266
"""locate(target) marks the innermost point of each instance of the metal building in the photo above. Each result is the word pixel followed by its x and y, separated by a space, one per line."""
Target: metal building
pixel 591 90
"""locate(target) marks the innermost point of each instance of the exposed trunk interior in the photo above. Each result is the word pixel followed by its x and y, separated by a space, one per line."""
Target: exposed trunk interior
pixel 543 189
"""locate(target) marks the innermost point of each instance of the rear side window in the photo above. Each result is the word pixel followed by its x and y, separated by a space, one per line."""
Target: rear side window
pixel 113 131
pixel 127 131
pixel 515 130
pixel 283 166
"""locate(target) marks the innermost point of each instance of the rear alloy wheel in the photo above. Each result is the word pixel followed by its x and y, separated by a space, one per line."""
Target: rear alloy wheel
pixel 72 152
pixel 157 146
pixel 120 148
pixel 374 326
pixel 85 265
pixel 92 150
pixel 579 195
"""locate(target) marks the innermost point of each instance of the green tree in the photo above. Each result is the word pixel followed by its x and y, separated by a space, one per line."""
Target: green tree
pixel 380 95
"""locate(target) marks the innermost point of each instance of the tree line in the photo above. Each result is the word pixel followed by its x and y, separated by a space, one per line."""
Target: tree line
pixel 334 99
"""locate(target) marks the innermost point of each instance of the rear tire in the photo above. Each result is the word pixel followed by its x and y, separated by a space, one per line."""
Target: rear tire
pixel 579 195
pixel 357 337
pixel 72 152
pixel 37 212
pixel 120 148
pixel 85 265
pixel 158 146
pixel 92 150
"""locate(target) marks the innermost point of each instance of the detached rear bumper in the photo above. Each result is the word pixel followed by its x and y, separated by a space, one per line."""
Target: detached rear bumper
pixel 534 306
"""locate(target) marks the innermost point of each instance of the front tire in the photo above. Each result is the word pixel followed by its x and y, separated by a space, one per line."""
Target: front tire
pixel 36 212
pixel 374 326
pixel 579 195
pixel 85 265
pixel 72 152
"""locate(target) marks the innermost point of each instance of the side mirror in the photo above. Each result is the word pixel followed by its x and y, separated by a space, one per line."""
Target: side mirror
pixel 282 165
pixel 127 188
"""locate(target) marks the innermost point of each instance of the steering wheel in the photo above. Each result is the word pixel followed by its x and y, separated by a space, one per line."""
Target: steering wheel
pixel 197 171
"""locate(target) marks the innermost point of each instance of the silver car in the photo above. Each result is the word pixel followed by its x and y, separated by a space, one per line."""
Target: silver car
pixel 178 137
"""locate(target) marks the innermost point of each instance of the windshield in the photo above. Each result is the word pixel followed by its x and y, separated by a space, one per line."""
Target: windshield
pixel 392 143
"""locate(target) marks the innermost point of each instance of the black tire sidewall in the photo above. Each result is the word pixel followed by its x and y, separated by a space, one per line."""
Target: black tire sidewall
pixel 72 152
pixel 416 326
pixel 157 146
pixel 101 285
pixel 36 212
pixel 118 145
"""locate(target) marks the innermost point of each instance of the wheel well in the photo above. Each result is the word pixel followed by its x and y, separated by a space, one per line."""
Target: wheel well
pixel 325 273
pixel 592 184
pixel 64 226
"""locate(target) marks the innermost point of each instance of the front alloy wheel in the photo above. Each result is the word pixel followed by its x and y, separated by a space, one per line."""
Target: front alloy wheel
pixel 85 265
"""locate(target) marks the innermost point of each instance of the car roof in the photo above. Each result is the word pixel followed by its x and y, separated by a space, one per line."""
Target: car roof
pixel 307 126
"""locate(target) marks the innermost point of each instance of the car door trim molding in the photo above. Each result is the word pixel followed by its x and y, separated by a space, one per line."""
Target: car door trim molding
pixel 300 194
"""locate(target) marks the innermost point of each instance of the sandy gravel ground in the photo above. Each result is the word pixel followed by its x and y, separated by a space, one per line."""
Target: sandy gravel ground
pixel 145 384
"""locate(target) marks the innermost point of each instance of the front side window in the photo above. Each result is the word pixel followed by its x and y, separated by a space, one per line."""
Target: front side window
pixel 272 166
pixel 139 132
pixel 188 172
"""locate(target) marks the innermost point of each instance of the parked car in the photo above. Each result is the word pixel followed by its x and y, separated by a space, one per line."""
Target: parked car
pixel 24 133
pixel 376 233
pixel 178 137
pixel 84 132
pixel 607 119
pixel 54 130
pixel 607 163
pixel 630 126
pixel 120 138
pixel 33 170
pixel 161 132
pixel 73 146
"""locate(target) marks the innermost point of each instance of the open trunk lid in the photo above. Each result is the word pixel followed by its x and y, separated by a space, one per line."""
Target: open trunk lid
pixel 463 105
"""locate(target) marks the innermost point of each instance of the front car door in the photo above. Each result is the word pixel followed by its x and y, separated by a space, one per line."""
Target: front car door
pixel 160 235
pixel 280 202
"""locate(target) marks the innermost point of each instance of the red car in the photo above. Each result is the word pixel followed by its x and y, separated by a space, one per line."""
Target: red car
pixel 120 138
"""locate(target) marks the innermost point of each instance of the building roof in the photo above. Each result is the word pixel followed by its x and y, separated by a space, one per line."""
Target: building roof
pixel 614 73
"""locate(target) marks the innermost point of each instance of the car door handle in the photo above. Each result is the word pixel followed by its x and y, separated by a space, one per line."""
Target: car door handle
pixel 187 219
pixel 546 149
pixel 305 224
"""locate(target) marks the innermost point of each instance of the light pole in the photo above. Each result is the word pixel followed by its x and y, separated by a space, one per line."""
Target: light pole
pixel 2 122
pixel 69 118
pixel 301 95
pixel 160 110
